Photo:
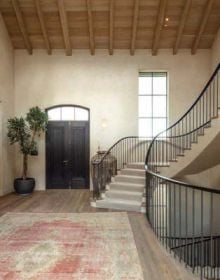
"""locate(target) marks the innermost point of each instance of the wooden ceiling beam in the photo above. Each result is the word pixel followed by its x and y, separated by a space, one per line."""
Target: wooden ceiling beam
pixel 134 27
pixel 21 25
pixel 64 25
pixel 183 19
pixel 90 23
pixel 159 26
pixel 43 27
pixel 111 27
pixel 202 26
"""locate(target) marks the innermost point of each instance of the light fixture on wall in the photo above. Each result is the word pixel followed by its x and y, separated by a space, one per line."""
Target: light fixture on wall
pixel 104 123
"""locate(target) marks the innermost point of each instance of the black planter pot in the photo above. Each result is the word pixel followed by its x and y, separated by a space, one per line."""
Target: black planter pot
pixel 24 187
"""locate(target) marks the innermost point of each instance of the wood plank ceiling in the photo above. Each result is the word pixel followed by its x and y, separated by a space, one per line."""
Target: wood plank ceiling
pixel 111 24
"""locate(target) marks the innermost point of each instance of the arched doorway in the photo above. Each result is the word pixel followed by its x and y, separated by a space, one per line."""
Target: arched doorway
pixel 67 147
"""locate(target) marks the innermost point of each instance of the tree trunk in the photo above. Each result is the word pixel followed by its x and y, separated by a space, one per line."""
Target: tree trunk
pixel 25 166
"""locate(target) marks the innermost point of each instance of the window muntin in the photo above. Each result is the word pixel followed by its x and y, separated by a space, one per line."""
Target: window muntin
pixel 152 102
pixel 68 113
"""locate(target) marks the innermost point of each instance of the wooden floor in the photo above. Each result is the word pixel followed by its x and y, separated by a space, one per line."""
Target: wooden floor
pixel 156 263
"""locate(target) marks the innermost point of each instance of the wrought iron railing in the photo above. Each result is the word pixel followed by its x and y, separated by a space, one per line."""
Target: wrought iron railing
pixel 127 149
pixel 184 216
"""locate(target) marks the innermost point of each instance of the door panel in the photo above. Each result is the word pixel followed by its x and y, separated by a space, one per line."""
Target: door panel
pixel 67 154
pixel 55 154
pixel 79 154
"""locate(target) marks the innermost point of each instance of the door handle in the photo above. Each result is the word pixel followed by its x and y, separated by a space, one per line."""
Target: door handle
pixel 65 161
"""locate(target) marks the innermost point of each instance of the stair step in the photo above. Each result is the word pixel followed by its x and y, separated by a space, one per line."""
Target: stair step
pixel 122 186
pixel 141 165
pixel 118 204
pixel 130 179
pixel 127 195
pixel 135 165
pixel 133 172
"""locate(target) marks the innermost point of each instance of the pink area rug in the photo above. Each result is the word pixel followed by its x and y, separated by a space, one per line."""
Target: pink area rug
pixel 93 246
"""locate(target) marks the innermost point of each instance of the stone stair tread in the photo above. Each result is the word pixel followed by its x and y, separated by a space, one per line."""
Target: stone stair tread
pixel 136 165
pixel 134 169
pixel 119 206
pixel 124 201
pixel 126 184
pixel 133 172
pixel 129 176
pixel 140 193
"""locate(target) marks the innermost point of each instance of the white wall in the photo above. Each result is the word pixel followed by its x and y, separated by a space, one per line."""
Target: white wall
pixel 6 109
pixel 108 85
pixel 215 52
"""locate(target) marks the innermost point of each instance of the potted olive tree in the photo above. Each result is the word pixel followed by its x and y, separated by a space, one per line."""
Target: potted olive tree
pixel 24 132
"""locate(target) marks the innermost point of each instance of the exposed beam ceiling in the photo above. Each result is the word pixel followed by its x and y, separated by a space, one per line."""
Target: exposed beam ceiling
pixel 182 25
pixel 111 27
pixel 134 26
pixel 65 28
pixel 43 28
pixel 202 25
pixel 90 23
pixel 159 26
pixel 21 25
pixel 111 24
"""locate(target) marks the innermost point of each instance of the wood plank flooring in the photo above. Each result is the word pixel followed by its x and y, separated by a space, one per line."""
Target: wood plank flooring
pixel 156 263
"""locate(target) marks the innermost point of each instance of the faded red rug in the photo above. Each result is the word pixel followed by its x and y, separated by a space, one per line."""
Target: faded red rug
pixel 93 246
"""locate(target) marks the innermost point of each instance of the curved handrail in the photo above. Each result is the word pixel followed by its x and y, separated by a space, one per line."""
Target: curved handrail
pixel 197 99
pixel 126 149
pixel 205 239
pixel 173 136
pixel 176 208
pixel 183 184
pixel 182 118
pixel 115 144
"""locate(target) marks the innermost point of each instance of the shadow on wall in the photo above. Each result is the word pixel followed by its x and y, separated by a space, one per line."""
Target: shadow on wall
pixel 205 169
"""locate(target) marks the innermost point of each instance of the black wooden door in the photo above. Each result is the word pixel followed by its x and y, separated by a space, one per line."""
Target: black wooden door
pixel 67 154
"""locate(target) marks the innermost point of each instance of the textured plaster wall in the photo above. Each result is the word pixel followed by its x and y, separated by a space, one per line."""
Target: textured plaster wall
pixel 6 109
pixel 108 85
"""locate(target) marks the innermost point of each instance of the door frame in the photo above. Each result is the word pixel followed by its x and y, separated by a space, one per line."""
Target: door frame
pixel 75 106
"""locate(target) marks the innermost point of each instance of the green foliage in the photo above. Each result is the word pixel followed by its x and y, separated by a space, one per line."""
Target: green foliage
pixel 18 132
pixel 37 119
pixel 23 132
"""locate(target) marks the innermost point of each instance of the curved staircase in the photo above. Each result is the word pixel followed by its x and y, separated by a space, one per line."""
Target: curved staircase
pixel 184 217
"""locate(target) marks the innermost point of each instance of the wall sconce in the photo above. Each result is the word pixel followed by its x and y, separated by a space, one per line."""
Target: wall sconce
pixel 104 123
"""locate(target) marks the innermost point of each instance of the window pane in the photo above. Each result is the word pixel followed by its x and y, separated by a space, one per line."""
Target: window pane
pixel 81 114
pixel 159 106
pixel 54 114
pixel 159 85
pixel 158 126
pixel 67 113
pixel 145 127
pixel 145 85
pixel 145 106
